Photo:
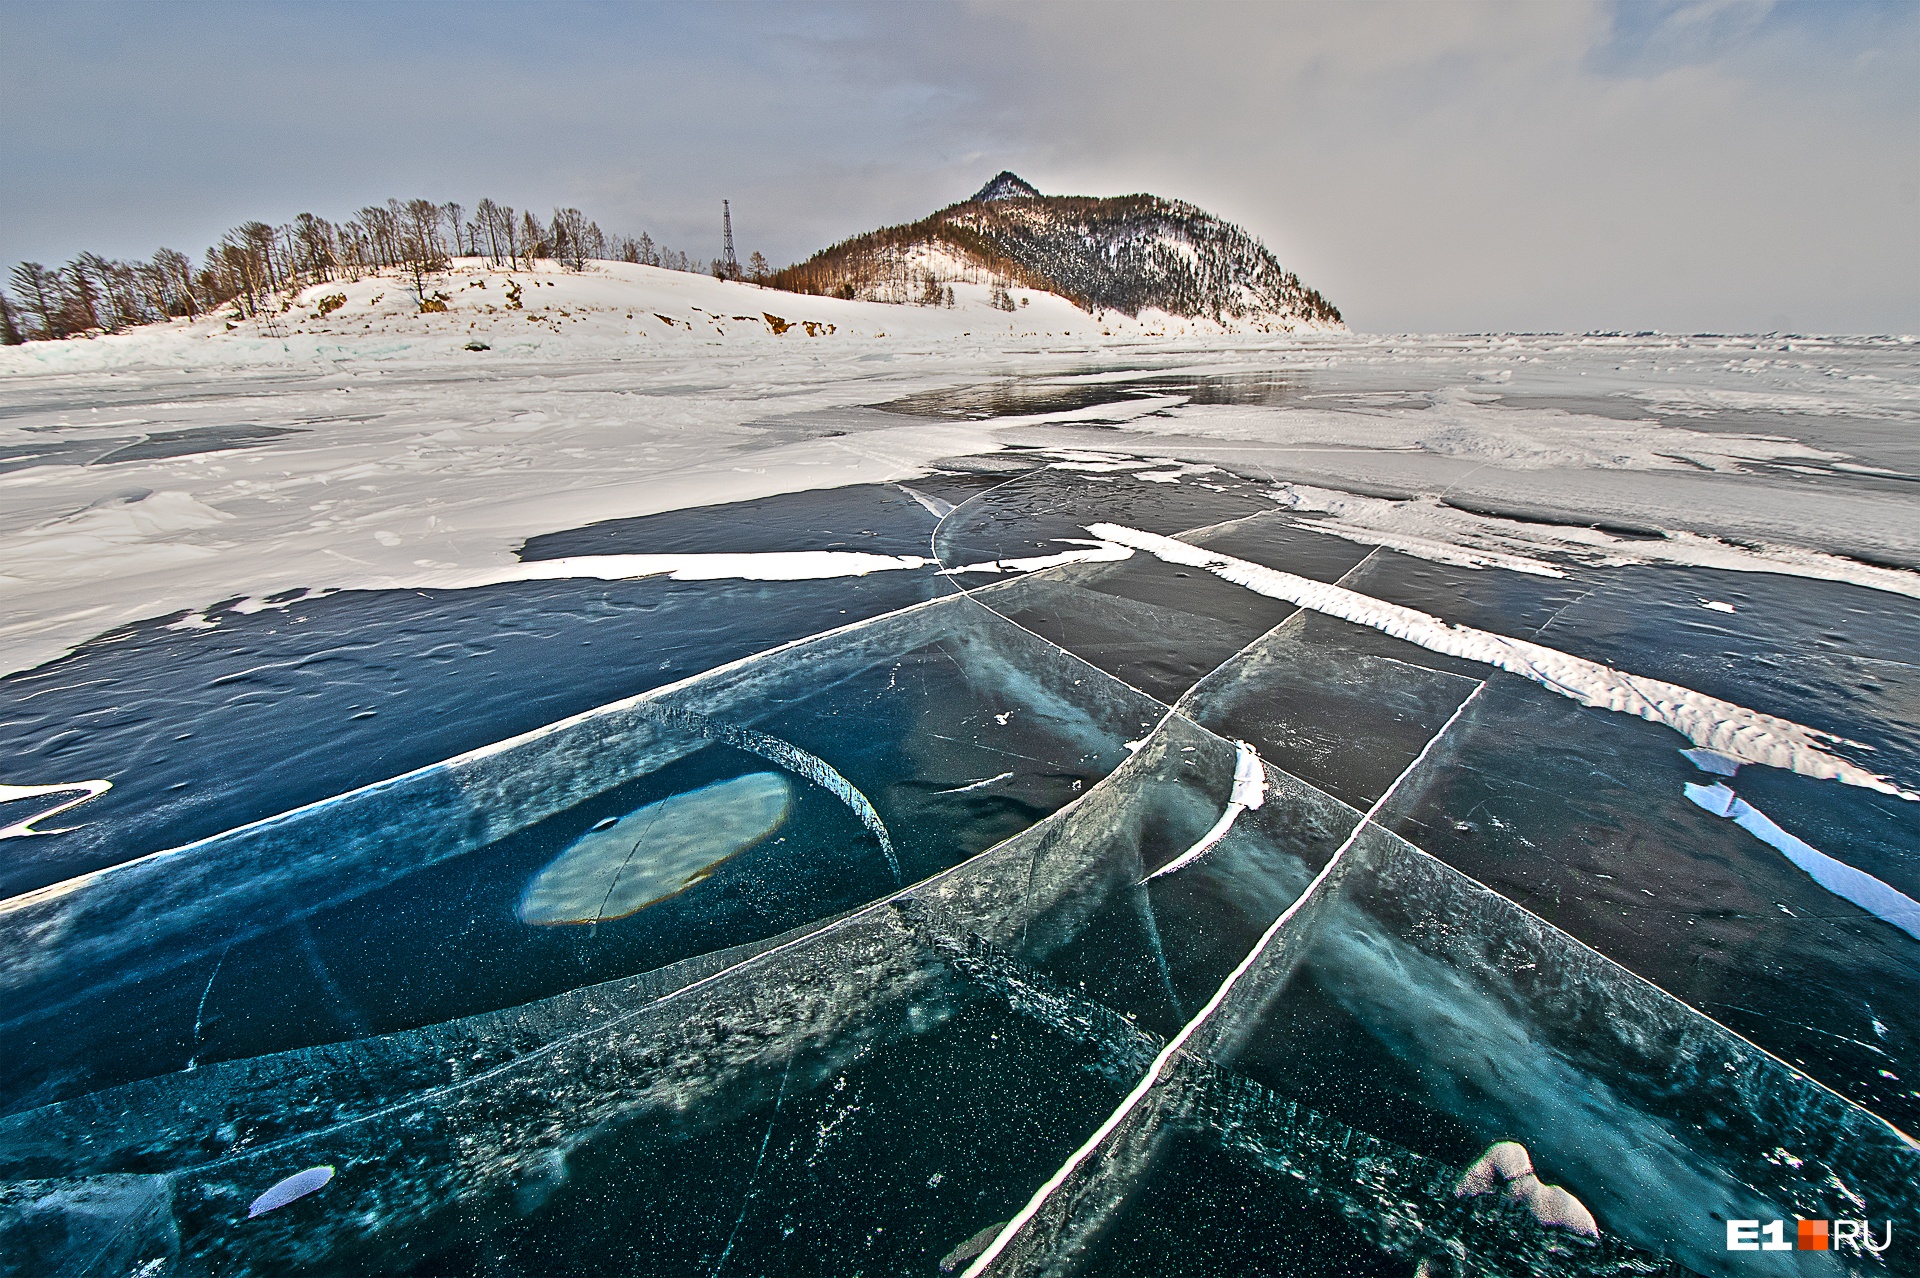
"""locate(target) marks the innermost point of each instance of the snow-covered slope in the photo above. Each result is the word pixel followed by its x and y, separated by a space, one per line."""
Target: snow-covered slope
pixel 608 308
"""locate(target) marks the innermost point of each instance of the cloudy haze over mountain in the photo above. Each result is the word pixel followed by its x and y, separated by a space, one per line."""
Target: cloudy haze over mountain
pixel 1433 166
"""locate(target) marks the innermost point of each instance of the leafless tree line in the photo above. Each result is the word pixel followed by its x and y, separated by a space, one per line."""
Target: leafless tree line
pixel 254 264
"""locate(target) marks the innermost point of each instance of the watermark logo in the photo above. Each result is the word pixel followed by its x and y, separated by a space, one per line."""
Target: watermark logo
pixel 1809 1235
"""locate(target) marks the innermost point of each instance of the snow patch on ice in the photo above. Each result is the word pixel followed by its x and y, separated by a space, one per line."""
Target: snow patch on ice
pixel 773 565
pixel 1873 895
pixel 80 790
pixel 1095 552
pixel 981 784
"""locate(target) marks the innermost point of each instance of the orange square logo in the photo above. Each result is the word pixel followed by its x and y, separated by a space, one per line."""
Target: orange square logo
pixel 1813 1235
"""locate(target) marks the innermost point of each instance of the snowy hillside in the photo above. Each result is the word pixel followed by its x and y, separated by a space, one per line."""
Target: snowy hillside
pixel 1130 255
pixel 609 307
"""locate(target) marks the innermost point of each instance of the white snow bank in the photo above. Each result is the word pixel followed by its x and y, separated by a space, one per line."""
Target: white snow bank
pixel 1429 528
pixel 1735 731
pixel 1876 897
pixel 611 308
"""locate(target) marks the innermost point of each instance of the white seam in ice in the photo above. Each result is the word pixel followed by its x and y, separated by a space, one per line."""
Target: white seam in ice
pixel 1160 1062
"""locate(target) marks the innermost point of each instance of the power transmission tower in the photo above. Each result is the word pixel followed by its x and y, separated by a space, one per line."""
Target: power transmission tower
pixel 726 226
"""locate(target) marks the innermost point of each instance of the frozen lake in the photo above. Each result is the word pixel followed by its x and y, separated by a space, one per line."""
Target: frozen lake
pixel 1168 777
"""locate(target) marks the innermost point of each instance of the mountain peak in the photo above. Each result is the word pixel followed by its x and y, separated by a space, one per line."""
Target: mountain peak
pixel 1008 186
pixel 1125 253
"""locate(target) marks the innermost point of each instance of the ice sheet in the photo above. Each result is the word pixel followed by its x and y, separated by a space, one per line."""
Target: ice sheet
pixel 413 461
pixel 1748 735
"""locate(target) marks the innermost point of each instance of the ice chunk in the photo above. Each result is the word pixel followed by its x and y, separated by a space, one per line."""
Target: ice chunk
pixel 1249 778
pixel 1503 1161
pixel 656 851
pixel 1713 761
pixel 1715 798
pixel 1249 791
pixel 935 506
pixel 1553 1206
pixel 298 1185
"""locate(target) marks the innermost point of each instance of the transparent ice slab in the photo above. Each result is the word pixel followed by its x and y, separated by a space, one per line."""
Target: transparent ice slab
pixel 1039 512
pixel 1420 1018
pixel 1341 707
pixel 202 731
pixel 445 1135
pixel 1582 818
pixel 415 879
pixel 1148 624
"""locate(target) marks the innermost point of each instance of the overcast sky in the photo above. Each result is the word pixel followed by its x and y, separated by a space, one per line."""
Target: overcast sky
pixel 1443 165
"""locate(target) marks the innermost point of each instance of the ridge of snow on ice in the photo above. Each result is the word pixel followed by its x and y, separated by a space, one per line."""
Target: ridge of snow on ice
pixel 1735 731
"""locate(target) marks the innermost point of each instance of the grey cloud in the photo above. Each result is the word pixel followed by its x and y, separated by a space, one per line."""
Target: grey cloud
pixel 1456 165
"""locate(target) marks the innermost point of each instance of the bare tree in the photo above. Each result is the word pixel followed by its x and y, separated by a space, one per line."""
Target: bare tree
pixel 510 230
pixel 254 262
pixel 80 298
pixel 533 238
pixel 315 252
pixel 569 235
pixel 757 268
pixel 421 251
pixel 117 296
pixel 453 212
pixel 39 290
pixel 484 215
pixel 176 269
pixel 382 232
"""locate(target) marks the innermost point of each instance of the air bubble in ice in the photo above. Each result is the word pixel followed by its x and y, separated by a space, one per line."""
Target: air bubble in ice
pixel 656 851
pixel 298 1185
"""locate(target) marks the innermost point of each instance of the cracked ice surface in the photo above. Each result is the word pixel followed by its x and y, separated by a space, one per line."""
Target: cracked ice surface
pixel 1085 911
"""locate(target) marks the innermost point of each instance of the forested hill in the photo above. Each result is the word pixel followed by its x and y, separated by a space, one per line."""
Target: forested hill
pixel 1127 254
